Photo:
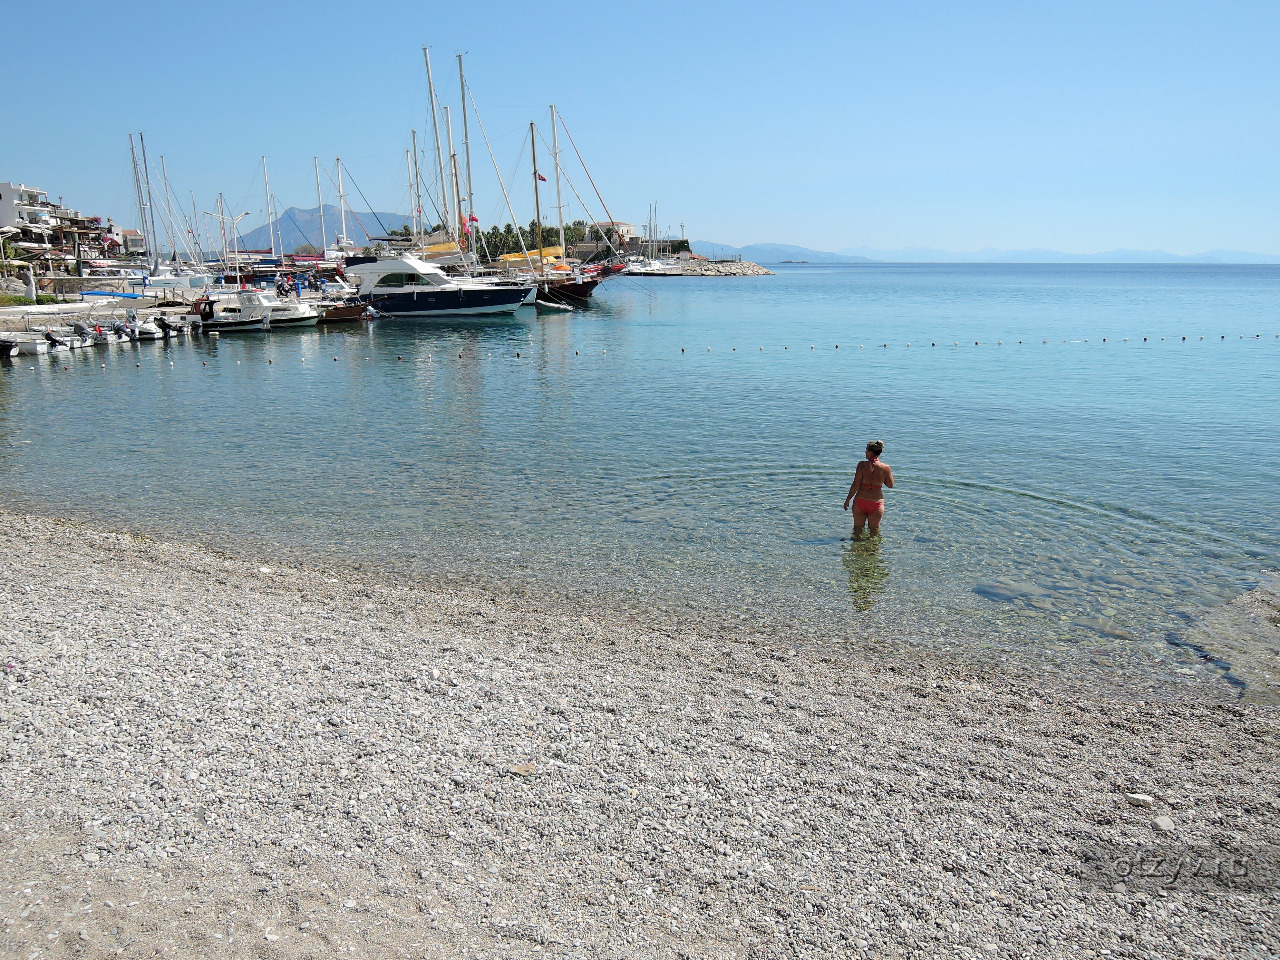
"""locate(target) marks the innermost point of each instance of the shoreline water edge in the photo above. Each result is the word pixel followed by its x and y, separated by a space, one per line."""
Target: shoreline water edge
pixel 204 753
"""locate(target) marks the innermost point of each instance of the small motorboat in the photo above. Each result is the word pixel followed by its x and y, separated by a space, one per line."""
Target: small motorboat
pixel 347 310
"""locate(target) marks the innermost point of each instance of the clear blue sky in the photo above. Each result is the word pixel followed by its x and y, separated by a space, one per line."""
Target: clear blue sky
pixel 1073 126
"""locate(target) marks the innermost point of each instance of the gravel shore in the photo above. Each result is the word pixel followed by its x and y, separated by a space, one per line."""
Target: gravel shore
pixel 219 756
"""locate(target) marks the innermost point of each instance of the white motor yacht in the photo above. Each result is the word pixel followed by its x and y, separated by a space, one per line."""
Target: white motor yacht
pixel 409 287
pixel 250 310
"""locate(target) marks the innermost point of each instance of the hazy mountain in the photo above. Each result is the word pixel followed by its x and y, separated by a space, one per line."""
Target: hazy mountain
pixel 990 255
pixel 298 226
pixel 770 253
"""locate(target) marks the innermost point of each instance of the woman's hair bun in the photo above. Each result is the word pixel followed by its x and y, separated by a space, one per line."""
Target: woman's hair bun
pixel 875 447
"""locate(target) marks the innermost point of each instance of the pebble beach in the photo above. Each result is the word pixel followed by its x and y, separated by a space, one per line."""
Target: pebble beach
pixel 224 755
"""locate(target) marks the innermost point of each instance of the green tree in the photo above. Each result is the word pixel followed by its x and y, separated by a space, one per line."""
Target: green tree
pixel 306 250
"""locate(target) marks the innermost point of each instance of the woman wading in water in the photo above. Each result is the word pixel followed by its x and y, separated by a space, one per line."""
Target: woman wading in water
pixel 865 491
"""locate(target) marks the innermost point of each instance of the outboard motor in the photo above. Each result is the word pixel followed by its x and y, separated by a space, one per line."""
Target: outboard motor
pixel 48 335
pixel 123 331
pixel 82 329
pixel 167 328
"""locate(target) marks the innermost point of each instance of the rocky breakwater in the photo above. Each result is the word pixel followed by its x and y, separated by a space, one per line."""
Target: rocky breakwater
pixel 723 268
pixel 205 755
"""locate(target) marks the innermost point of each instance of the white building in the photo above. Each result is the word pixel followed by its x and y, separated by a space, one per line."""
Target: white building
pixel 39 229
pixel 625 231
pixel 133 242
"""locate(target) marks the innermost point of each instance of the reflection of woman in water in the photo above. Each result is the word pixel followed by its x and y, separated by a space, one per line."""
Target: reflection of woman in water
pixel 868 573
pixel 865 491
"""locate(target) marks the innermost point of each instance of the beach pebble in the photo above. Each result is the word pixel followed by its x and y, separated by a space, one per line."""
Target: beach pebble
pixel 1163 824
pixel 245 752
pixel 1140 800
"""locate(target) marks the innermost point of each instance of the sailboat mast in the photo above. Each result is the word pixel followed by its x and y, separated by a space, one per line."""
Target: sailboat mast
pixel 452 184
pixel 537 206
pixel 324 241
pixel 435 126
pixel 498 174
pixel 342 201
pixel 146 176
pixel 172 228
pixel 222 226
pixel 555 159
pixel 196 226
pixel 137 190
pixel 413 214
pixel 266 186
pixel 466 142
pixel 421 227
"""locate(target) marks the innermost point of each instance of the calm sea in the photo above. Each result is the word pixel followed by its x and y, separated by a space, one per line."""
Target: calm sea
pixel 1087 456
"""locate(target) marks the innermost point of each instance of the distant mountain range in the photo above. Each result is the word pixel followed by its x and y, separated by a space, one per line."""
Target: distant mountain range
pixel 771 253
pixel 990 255
pixel 779 252
pixel 298 226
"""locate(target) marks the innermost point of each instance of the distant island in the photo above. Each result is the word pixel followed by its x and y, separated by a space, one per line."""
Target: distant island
pixel 787 253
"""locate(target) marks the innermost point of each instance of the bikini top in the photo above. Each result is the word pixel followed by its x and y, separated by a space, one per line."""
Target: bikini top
pixel 867 484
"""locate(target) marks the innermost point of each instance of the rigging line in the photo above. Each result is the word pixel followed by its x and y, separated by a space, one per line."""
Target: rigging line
pixel 359 222
pixel 164 211
pixel 516 166
pixel 427 184
pixel 288 212
pixel 584 166
pixel 170 203
pixel 385 231
pixel 498 173
pixel 565 174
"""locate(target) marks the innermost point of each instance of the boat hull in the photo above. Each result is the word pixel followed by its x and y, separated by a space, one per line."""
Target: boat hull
pixel 567 292
pixel 228 326
pixel 446 302
pixel 343 313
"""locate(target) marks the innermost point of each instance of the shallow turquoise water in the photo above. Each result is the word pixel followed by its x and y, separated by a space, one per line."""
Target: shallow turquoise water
pixel 1074 492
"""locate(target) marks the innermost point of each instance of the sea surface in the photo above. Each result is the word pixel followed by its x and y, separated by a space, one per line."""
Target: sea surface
pixel 1087 456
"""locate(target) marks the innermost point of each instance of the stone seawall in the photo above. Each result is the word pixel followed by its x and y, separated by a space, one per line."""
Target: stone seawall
pixel 723 268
